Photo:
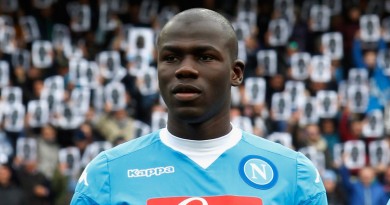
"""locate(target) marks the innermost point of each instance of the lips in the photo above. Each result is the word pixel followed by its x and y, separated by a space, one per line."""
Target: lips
pixel 185 89
pixel 186 92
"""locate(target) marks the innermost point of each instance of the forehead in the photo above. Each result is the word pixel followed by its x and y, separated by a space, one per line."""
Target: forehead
pixel 198 30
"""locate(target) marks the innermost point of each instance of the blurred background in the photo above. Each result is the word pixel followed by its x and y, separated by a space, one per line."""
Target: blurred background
pixel 80 77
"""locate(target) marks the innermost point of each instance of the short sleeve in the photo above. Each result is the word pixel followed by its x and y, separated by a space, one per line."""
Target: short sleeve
pixel 310 188
pixel 93 184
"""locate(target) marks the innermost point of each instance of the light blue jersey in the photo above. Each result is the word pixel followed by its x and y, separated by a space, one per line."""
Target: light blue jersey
pixel 147 171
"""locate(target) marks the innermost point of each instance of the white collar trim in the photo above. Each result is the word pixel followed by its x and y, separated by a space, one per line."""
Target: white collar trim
pixel 202 152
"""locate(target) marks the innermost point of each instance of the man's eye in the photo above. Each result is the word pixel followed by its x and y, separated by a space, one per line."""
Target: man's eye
pixel 206 58
pixel 170 58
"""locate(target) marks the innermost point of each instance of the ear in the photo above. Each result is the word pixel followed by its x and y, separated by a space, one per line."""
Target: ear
pixel 237 74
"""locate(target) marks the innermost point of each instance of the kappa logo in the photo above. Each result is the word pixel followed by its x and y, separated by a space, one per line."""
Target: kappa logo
pixel 157 171
pixel 258 172
pixel 318 177
pixel 83 177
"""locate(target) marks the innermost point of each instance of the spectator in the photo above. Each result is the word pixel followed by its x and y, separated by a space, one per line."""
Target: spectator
pixel 47 151
pixel 331 136
pixel 335 195
pixel 314 138
pixel 387 181
pixel 34 184
pixel 114 124
pixel 10 193
pixel 366 189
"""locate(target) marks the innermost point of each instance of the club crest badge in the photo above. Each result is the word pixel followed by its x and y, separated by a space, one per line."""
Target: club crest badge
pixel 258 172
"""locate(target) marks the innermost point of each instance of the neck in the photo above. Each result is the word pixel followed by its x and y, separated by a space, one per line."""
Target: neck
pixel 200 131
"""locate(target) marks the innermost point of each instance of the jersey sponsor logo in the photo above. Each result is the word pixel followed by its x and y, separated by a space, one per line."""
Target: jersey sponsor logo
pixel 207 200
pixel 258 172
pixel 156 171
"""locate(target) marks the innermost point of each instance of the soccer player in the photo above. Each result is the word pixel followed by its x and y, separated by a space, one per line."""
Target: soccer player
pixel 200 157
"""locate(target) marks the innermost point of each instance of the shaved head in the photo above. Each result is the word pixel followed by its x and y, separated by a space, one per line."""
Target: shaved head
pixel 193 16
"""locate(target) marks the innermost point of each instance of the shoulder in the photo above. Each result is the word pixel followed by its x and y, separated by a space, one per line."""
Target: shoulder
pixel 309 188
pixel 126 149
pixel 132 146
pixel 270 147
pixel 94 184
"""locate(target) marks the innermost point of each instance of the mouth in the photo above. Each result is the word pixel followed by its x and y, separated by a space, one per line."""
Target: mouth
pixel 186 92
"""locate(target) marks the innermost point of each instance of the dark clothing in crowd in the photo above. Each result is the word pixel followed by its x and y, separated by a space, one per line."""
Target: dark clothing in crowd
pixel 12 195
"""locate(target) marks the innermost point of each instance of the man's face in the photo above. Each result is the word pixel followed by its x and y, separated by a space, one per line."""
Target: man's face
pixel 195 70
pixel 5 175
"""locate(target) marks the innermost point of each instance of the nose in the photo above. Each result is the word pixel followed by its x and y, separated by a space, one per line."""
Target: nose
pixel 187 70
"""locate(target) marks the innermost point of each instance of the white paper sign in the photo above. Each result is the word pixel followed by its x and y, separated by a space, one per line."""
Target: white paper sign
pixel 357 76
pixel 379 153
pixel 26 149
pixel 70 156
pixel 255 89
pixel 242 30
pixel 30 28
pixel 320 17
pixel 356 154
pixel 159 120
pixel 38 112
pixel 12 95
pixel 281 106
pixel 141 42
pixel 386 28
pixel 384 61
pixel 109 63
pixel 370 28
pixel 93 150
pixel 61 36
pixel 300 65
pixel 297 92
pixel 332 44
pixel 8 39
pixel 141 129
pixel 148 10
pixel 80 17
pixel 9 5
pixel 328 103
pixel 4 73
pixel 67 116
pixel 247 5
pixel 80 98
pixel 115 95
pixel 147 81
pixel 320 69
pixel 267 61
pixel 317 157
pixel 358 98
pixel 279 32
pixel 14 117
pixel 309 111
pixel 249 17
pixel 283 138
pixel 335 6
pixel 373 125
pixel 21 58
pixel 243 123
pixel 42 54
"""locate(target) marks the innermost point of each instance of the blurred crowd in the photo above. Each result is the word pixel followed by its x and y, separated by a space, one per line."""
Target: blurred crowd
pixel 78 77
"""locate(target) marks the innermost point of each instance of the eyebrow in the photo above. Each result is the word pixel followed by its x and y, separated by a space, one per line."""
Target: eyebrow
pixel 196 49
